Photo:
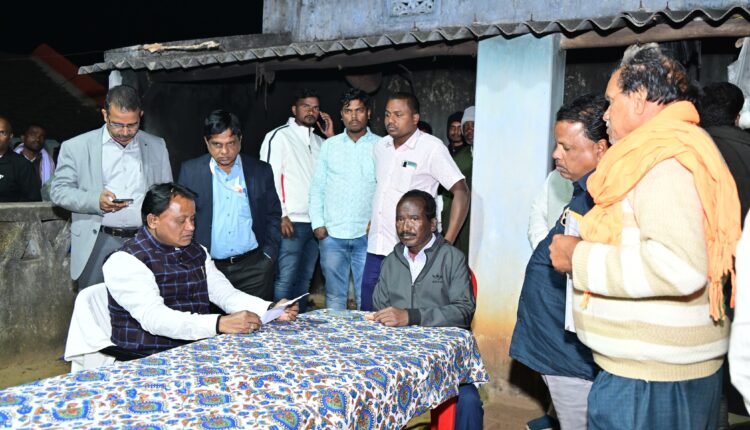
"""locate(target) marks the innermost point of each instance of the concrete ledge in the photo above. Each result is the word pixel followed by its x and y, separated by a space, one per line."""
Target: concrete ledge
pixel 35 286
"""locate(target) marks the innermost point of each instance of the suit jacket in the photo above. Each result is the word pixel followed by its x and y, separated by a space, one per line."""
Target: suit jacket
pixel 78 182
pixel 264 202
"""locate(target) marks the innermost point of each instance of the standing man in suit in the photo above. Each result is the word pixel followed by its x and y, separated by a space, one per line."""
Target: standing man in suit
pixel 237 209
pixel 102 177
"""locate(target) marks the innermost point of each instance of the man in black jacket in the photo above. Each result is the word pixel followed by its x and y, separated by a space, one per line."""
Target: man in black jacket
pixel 719 109
pixel 18 181
pixel 237 209
pixel 425 281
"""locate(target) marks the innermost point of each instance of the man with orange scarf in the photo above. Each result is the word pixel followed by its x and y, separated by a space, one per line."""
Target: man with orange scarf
pixel 648 270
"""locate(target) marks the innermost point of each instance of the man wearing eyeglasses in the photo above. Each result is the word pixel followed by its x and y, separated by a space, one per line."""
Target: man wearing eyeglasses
pixel 102 177
pixel 237 210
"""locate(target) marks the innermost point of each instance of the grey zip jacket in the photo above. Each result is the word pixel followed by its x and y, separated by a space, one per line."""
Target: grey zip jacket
pixel 441 296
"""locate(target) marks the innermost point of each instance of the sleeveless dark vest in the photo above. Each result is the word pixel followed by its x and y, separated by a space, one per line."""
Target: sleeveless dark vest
pixel 180 275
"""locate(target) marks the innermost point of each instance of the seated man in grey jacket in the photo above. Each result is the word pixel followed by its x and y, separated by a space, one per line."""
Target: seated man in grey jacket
pixel 425 281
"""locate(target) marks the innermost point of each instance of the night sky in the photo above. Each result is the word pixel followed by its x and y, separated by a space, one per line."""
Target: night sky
pixel 82 32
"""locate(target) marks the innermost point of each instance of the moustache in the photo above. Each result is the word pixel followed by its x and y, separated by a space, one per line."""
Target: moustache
pixel 406 235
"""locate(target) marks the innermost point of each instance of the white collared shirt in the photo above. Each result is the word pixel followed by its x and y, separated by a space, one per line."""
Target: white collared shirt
pixel 416 265
pixel 422 163
pixel 123 174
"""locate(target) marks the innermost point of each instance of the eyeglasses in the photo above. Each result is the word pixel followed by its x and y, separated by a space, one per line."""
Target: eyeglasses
pixel 120 126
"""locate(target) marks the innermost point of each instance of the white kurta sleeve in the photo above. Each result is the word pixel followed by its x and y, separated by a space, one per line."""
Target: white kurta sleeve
pixel 133 286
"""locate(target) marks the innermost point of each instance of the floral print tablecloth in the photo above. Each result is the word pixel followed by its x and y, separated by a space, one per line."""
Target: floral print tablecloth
pixel 327 370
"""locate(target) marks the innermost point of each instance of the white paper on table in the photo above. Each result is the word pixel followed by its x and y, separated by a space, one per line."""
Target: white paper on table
pixel 571 229
pixel 277 310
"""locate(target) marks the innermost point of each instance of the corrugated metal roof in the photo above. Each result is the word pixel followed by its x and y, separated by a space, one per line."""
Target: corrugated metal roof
pixel 137 57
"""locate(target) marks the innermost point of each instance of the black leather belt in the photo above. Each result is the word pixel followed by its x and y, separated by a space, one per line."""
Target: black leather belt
pixel 120 232
pixel 236 258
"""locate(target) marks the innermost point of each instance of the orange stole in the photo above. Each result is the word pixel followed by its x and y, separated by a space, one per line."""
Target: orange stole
pixel 673 133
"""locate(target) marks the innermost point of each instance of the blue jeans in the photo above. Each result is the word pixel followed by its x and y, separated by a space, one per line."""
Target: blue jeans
pixel 370 280
pixel 338 257
pixel 623 403
pixel 296 264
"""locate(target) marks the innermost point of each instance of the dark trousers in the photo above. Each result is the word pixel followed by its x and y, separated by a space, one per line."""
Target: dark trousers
pixel 469 411
pixel 370 280
pixel 623 403
pixel 252 275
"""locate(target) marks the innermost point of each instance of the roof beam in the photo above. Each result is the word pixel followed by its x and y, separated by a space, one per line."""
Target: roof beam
pixel 340 61
pixel 734 26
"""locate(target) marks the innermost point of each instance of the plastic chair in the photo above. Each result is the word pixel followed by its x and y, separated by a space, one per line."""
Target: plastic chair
pixel 90 330
pixel 443 417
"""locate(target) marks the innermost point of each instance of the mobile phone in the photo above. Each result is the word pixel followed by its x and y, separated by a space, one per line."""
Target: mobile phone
pixel 322 123
pixel 122 201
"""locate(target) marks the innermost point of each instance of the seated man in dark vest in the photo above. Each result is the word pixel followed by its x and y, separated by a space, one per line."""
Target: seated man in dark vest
pixel 161 283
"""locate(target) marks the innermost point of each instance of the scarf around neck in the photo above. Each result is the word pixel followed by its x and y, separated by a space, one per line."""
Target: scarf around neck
pixel 672 133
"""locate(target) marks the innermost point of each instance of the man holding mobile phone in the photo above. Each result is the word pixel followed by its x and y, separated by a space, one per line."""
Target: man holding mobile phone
pixel 292 150
pixel 102 177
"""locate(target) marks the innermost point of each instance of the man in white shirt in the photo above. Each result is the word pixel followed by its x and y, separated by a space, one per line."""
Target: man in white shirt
pixel 548 206
pixel 292 151
pixel 101 177
pixel 161 283
pixel 407 159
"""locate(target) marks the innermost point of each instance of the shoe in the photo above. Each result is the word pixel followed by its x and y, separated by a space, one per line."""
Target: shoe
pixel 545 422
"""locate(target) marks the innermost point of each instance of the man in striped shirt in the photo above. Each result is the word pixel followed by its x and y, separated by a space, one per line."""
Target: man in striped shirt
pixel 648 270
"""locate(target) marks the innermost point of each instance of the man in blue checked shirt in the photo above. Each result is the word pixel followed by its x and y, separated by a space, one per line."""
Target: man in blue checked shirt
pixel 237 208
pixel 341 199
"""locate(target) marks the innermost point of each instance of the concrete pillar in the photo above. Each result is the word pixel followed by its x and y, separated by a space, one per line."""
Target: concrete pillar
pixel 519 88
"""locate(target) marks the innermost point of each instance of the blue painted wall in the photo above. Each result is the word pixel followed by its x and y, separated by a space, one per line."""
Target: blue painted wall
pixel 519 88
pixel 309 20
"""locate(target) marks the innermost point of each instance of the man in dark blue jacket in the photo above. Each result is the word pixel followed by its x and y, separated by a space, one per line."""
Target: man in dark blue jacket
pixel 540 340
pixel 237 209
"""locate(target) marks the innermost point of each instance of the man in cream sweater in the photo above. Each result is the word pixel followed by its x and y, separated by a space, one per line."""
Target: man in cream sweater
pixel 648 270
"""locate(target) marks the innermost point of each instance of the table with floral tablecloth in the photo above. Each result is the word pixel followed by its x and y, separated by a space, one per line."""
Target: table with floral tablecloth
pixel 326 370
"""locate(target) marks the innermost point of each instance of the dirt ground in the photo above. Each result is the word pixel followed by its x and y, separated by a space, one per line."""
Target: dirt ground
pixel 44 365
